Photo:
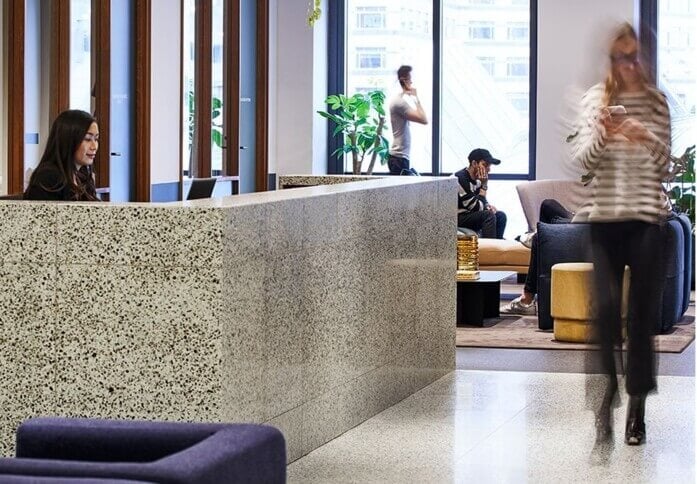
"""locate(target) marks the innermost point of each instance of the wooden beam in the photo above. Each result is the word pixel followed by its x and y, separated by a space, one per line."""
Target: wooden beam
pixel 142 88
pixel 202 89
pixel 231 101
pixel 262 94
pixel 15 95
pixel 101 58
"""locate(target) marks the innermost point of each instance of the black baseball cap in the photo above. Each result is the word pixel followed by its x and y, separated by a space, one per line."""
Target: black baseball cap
pixel 484 155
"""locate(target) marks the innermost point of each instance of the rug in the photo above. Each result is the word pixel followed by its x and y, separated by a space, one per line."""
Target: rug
pixel 523 333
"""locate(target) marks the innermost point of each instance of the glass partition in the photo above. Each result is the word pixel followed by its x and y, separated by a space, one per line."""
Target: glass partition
pixel 80 55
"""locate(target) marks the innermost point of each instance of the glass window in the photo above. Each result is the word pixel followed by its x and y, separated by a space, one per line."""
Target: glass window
pixel 520 101
pixel 517 67
pixel 488 64
pixel 368 65
pixel 188 72
pixel 677 68
pixel 370 57
pixel 80 55
pixel 518 32
pixel 483 109
pixel 484 85
pixel 370 17
pixel 481 31
pixel 217 142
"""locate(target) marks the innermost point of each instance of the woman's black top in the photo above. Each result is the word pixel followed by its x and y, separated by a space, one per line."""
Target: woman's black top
pixel 45 184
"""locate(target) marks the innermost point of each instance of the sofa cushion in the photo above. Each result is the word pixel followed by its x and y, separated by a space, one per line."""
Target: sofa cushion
pixel 500 252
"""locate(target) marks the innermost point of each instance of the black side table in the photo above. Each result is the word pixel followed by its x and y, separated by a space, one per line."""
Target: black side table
pixel 480 298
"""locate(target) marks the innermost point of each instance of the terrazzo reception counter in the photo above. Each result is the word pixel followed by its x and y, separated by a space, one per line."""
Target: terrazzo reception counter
pixel 311 309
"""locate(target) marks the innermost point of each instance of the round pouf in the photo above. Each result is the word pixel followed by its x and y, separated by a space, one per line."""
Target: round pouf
pixel 571 301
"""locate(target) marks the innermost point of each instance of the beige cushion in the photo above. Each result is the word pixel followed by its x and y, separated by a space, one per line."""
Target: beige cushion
pixel 569 193
pixel 500 252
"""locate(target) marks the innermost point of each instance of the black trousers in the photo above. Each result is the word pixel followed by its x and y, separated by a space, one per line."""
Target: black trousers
pixel 551 212
pixel 638 245
pixel 491 225
pixel 397 165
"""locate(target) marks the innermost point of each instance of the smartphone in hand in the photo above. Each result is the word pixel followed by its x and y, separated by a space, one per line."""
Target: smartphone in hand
pixel 616 110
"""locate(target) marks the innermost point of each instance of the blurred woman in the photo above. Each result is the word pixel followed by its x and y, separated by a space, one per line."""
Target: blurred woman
pixel 65 169
pixel 624 139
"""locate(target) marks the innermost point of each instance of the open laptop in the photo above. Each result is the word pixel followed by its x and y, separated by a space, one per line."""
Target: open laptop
pixel 201 188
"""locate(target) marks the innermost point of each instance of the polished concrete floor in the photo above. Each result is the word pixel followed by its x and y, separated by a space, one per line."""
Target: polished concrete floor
pixel 510 426
pixel 515 416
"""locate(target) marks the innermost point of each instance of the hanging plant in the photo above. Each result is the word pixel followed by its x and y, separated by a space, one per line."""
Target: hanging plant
pixel 314 12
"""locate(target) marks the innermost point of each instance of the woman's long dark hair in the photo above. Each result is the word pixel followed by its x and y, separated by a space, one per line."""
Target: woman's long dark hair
pixel 66 135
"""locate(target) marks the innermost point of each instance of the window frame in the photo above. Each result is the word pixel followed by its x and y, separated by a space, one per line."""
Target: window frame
pixel 336 82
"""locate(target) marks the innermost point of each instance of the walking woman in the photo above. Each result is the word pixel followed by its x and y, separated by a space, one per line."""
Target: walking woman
pixel 65 169
pixel 624 139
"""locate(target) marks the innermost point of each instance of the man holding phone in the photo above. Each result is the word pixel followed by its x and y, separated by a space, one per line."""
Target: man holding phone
pixel 474 211
pixel 404 108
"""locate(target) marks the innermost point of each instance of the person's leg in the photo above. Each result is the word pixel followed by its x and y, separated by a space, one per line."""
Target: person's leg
pixel 608 270
pixel 552 212
pixel 481 221
pixel 500 224
pixel 525 303
pixel 397 164
pixel 645 289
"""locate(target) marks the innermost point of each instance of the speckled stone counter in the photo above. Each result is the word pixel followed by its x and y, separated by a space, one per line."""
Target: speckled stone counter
pixel 310 309
pixel 294 181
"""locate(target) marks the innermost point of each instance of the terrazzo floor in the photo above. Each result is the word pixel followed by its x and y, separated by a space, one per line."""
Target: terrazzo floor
pixel 503 426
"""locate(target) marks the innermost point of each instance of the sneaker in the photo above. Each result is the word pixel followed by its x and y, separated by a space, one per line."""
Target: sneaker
pixel 526 239
pixel 517 306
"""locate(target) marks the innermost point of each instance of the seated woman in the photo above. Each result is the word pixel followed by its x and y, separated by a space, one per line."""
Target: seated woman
pixel 551 212
pixel 65 170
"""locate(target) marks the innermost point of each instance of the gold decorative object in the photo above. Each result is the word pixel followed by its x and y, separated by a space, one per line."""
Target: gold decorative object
pixel 467 255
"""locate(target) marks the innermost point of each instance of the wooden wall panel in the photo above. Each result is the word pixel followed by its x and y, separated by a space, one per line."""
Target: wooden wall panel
pixel 142 88
pixel 202 88
pixel 15 95
pixel 262 93
pixel 101 58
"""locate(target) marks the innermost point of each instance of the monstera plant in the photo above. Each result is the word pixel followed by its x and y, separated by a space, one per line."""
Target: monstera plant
pixel 360 119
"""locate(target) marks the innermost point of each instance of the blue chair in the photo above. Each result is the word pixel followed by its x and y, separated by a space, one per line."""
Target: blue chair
pixel 143 451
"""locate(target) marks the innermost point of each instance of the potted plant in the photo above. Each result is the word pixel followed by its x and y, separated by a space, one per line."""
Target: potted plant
pixel 360 119
pixel 682 191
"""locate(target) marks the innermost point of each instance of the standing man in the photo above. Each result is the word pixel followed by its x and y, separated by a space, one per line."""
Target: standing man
pixel 474 211
pixel 404 107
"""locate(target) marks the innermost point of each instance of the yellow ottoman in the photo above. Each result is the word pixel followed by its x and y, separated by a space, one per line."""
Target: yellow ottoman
pixel 571 301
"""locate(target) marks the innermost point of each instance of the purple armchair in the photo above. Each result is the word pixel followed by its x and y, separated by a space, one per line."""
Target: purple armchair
pixel 144 451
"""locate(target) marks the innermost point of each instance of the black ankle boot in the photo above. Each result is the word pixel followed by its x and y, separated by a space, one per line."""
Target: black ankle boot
pixel 635 432
pixel 603 418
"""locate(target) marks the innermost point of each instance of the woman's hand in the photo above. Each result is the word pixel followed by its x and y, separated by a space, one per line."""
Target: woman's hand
pixel 634 131
pixel 610 123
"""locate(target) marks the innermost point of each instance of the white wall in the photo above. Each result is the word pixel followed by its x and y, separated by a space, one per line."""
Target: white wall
pixel 298 74
pixel 165 99
pixel 571 57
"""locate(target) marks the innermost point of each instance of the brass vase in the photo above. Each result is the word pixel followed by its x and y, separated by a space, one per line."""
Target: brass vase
pixel 467 255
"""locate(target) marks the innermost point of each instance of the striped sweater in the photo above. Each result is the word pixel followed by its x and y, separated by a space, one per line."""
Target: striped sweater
pixel 628 176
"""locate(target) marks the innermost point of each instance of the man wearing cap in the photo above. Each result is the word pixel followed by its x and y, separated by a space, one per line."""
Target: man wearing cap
pixel 474 211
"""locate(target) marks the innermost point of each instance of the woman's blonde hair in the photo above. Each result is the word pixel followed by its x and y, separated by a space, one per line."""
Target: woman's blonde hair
pixel 613 81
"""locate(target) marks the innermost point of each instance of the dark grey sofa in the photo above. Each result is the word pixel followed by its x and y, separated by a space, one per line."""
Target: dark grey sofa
pixel 571 243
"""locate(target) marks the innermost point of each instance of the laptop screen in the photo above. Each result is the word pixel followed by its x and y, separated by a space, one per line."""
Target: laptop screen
pixel 201 188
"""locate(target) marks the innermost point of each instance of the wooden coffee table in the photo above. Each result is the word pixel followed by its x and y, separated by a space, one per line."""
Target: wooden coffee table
pixel 480 298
